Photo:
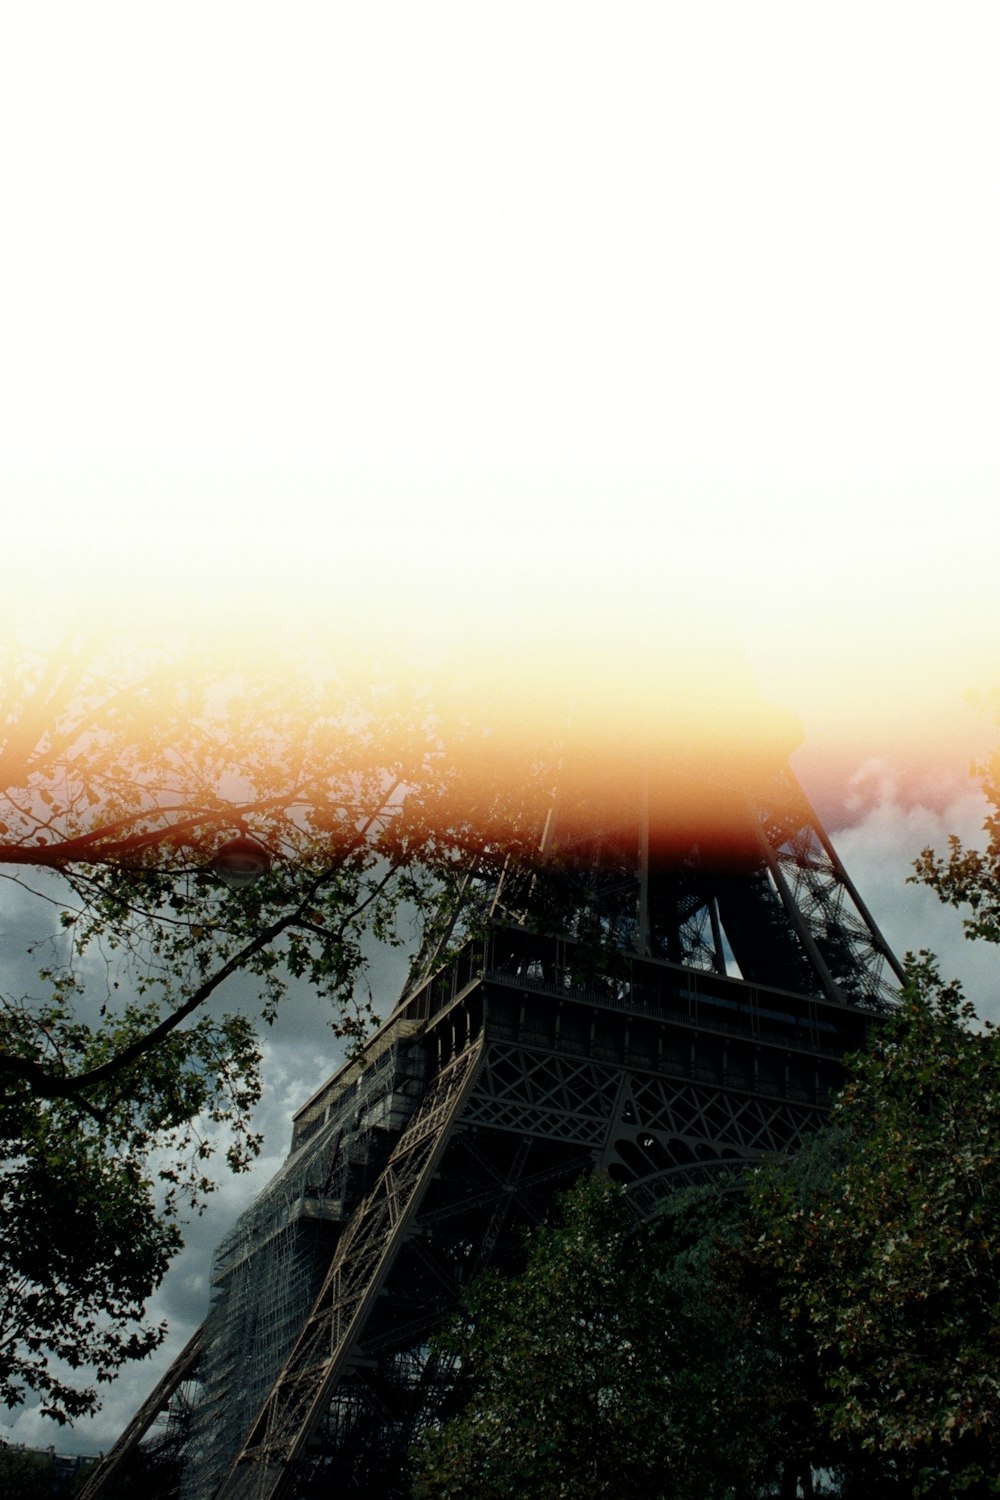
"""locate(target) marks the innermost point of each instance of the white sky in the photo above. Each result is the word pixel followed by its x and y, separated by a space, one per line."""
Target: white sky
pixel 486 313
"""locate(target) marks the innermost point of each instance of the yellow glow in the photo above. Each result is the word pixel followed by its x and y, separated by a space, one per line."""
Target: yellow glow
pixel 610 650
pixel 586 359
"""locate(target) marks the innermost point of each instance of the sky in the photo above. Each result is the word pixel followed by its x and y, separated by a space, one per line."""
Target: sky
pixel 591 345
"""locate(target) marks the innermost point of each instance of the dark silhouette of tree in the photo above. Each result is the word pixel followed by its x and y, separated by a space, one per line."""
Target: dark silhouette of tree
pixel 888 1271
pixel 122 776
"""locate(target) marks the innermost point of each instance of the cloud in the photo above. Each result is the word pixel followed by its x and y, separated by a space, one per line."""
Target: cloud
pixel 878 850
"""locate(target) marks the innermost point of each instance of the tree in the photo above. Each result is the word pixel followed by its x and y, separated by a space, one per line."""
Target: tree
pixel 122 774
pixel 565 1365
pixel 889 1270
pixel 611 1365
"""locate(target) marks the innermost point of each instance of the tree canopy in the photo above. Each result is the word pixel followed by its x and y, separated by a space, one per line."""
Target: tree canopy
pixel 620 1362
pixel 888 1270
pixel 565 1365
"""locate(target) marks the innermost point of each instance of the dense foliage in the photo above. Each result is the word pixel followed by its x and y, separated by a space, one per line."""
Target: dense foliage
pixel 889 1270
pixel 566 1367
pixel 615 1365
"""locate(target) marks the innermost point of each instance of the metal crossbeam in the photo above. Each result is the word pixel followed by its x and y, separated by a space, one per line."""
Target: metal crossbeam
pixel 264 1465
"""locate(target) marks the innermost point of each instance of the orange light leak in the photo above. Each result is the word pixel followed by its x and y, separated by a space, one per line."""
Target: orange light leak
pixel 581 365
pixel 600 653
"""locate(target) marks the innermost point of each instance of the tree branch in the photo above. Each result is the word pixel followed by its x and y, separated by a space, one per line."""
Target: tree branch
pixel 53 1086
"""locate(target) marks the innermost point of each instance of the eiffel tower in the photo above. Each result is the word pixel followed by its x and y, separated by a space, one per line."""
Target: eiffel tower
pixel 667 992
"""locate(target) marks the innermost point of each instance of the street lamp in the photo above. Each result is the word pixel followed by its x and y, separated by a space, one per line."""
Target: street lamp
pixel 240 861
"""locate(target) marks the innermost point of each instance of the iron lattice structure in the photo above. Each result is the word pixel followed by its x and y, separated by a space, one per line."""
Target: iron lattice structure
pixel 659 996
